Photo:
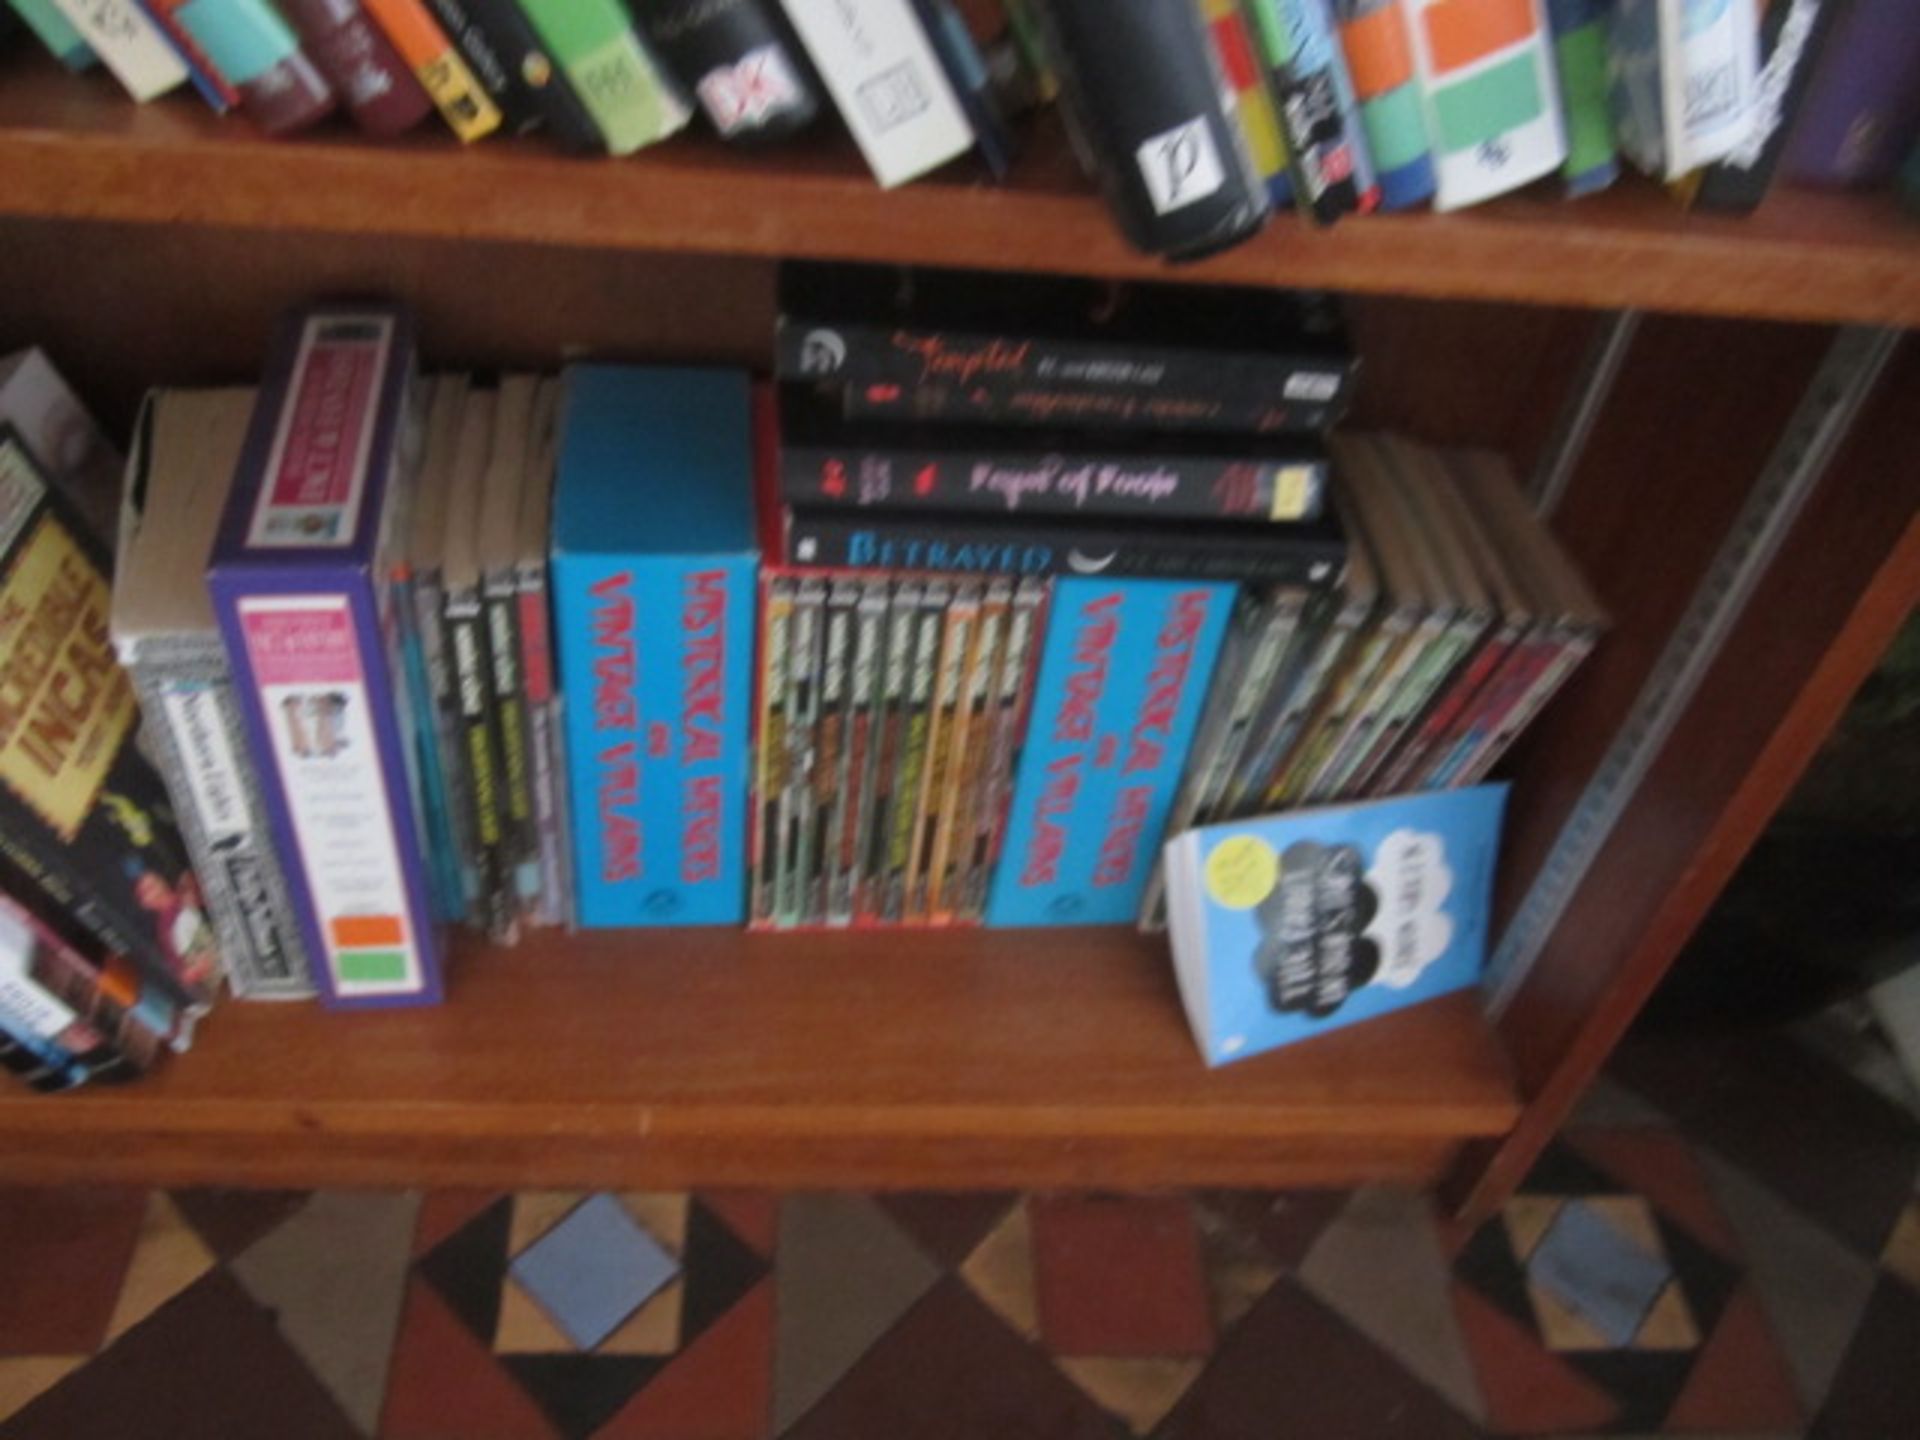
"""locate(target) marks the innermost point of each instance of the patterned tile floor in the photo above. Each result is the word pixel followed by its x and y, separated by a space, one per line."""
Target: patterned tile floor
pixel 1726 1244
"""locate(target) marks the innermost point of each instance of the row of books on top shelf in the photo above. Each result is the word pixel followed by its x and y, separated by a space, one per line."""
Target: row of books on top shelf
pixel 1198 117
pixel 884 643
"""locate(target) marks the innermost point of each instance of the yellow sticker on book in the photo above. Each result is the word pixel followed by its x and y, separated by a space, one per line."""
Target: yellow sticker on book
pixel 1242 871
pixel 1292 487
pixel 462 103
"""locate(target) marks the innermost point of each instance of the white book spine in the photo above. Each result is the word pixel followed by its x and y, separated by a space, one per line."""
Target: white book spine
pixel 1472 167
pixel 882 71
pixel 130 44
pixel 1709 80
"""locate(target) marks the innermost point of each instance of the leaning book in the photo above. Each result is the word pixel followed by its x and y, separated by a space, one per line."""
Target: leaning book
pixel 1288 926
pixel 185 448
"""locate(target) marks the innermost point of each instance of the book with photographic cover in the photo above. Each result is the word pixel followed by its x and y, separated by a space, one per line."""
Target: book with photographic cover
pixel 1288 926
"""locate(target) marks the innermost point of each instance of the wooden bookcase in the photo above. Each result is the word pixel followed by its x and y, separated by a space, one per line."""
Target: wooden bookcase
pixel 144 244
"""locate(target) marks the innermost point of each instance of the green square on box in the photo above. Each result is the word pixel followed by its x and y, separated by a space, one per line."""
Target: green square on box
pixel 365 966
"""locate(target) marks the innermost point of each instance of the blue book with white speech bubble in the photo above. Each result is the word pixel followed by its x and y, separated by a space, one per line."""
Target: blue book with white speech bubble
pixel 1288 926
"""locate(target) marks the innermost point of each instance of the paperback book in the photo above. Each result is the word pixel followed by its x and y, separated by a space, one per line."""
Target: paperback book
pixel 1289 926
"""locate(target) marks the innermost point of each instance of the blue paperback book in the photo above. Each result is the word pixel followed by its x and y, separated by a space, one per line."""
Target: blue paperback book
pixel 1123 673
pixel 1289 926
pixel 655 569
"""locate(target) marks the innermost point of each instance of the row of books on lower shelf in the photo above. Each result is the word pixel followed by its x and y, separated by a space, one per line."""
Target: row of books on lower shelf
pixel 1198 117
pixel 512 651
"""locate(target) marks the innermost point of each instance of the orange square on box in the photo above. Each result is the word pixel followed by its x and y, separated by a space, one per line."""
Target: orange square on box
pixel 355 930
pixel 1460 32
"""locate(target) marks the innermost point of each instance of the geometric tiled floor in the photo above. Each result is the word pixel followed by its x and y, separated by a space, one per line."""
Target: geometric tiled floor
pixel 1726 1244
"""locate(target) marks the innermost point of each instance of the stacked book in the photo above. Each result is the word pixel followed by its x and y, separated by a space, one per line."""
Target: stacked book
pixel 1198 118
pixel 1003 508
pixel 954 624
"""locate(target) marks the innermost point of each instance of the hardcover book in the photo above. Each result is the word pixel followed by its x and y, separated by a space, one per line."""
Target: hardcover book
pixel 1490 95
pixel 1055 352
pixel 187 444
pixel 63 438
pixel 1684 81
pixel 545 705
pixel 1793 36
pixel 835 539
pixel 1373 34
pixel 828 463
pixel 86 829
pixel 1288 926
pixel 739 59
pixel 1124 670
pixel 462 100
pixel 1144 101
pixel 520 50
pixel 248 42
pixel 1319 117
pixel 654 578
pixel 882 70
pixel 366 72
pixel 299 577
pixel 129 43
pixel 631 98
pixel 1580 52
pixel 1862 108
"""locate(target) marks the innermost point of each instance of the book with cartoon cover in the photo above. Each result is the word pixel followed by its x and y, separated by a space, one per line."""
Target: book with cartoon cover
pixel 1288 926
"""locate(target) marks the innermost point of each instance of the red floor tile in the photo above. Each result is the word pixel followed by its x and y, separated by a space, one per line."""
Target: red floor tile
pixel 1658 1165
pixel 1739 1380
pixel 446 1384
pixel 1120 1276
pixel 63 1253
pixel 443 1212
pixel 753 1215
pixel 1528 1389
pixel 718 1388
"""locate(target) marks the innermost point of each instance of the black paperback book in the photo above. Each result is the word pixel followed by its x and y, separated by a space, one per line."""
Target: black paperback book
pixel 1142 97
pixel 506 32
pixel 829 463
pixel 963 544
pixel 1063 352
pixel 739 59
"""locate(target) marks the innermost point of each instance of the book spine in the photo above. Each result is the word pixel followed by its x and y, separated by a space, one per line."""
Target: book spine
pixel 546 746
pixel 1489 96
pixel 1448 710
pixel 935 599
pixel 739 60
pixel 192 726
pixel 1794 34
pixel 1478 761
pixel 885 541
pixel 962 620
pixel 462 100
pixel 631 99
pixel 1324 635
pixel 53 30
pixel 883 73
pixel 466 626
pixel 505 85
pixel 128 43
pixel 1148 109
pixel 1333 710
pixel 248 42
pixel 770 745
pixel 1379 56
pixel 1438 661
pixel 967 750
pixel 973 87
pixel 524 55
pixel 829 799
pixel 856 768
pixel 1008 722
pixel 903 615
pixel 1123 673
pixel 1246 76
pixel 862 476
pixel 1580 53
pixel 441 704
pixel 1370 711
pixel 1280 624
pixel 70 990
pixel 903 373
pixel 1319 117
pixel 803 717
pixel 1863 103
pixel 214 87
pixel 362 66
pixel 510 707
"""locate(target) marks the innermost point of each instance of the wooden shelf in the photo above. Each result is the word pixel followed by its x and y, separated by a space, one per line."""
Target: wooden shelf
pixel 76 148
pixel 706 1057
